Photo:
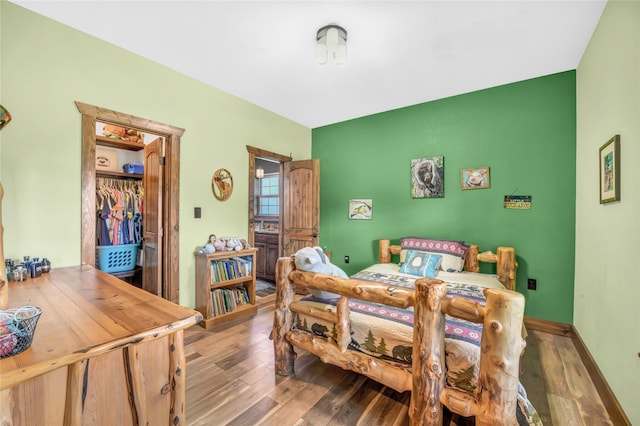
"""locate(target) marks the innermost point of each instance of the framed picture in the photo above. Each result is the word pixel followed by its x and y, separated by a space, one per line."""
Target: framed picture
pixel 427 177
pixel 475 178
pixel 360 208
pixel 610 170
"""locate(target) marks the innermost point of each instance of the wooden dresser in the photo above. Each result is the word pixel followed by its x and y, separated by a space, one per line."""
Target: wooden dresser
pixel 104 353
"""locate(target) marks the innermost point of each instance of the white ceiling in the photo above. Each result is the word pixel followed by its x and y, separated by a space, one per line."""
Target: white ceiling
pixel 400 53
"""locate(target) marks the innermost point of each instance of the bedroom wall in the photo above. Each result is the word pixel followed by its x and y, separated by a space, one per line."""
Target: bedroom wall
pixel 607 283
pixel 525 133
pixel 45 67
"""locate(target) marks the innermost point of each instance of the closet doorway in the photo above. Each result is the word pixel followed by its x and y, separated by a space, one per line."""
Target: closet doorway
pixel 160 274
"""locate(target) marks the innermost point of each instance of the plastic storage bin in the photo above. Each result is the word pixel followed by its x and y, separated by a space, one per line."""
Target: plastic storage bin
pixel 137 168
pixel 118 258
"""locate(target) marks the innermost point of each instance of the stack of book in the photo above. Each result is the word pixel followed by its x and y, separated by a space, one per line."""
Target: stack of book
pixel 225 300
pixel 229 269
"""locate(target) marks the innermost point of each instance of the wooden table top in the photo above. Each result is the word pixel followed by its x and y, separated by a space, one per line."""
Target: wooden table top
pixel 86 312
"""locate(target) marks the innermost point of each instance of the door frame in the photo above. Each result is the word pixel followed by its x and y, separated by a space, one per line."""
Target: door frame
pixel 171 188
pixel 261 153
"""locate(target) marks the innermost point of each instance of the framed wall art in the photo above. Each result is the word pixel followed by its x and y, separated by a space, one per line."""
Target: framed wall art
pixel 360 208
pixel 475 178
pixel 427 177
pixel 609 161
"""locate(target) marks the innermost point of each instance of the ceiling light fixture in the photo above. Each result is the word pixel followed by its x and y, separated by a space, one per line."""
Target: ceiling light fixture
pixel 259 173
pixel 331 39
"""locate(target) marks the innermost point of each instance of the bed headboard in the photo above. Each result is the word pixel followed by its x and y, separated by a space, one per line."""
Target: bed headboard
pixel 504 258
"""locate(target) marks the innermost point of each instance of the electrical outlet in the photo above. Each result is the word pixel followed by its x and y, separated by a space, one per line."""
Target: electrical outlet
pixel 532 284
pixel 197 213
pixel 346 259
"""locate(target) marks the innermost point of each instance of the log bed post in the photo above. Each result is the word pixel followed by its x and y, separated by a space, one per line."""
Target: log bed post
pixel 283 318
pixel 501 346
pixel 383 251
pixel 507 266
pixel 428 353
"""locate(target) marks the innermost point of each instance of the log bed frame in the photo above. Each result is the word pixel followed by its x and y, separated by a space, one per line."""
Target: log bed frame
pixel 494 402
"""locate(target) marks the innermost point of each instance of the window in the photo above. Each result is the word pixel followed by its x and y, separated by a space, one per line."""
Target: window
pixel 269 195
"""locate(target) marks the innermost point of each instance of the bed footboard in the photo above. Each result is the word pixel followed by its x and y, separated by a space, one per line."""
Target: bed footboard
pixel 501 346
pixel 494 402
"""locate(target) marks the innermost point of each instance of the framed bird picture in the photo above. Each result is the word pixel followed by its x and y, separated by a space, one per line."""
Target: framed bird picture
pixel 360 208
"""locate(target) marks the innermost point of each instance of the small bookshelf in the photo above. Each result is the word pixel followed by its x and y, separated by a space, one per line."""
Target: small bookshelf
pixel 225 286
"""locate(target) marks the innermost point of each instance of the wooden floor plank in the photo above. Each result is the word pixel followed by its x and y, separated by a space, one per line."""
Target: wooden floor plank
pixel 231 380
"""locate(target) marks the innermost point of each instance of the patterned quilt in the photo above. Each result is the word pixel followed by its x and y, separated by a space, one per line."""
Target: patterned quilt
pixel 386 332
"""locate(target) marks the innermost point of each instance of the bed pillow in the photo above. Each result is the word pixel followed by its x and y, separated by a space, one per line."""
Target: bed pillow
pixel 453 252
pixel 313 259
pixel 421 263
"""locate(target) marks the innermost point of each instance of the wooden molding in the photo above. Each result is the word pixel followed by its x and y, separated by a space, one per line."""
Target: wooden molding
pixel 171 185
pixel 546 326
pixel 609 400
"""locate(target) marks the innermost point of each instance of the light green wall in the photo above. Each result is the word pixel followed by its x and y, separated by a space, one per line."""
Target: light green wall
pixel 45 67
pixel 525 133
pixel 607 277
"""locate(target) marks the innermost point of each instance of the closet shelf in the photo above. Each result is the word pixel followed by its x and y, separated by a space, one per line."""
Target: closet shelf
pixel 119 143
pixel 113 173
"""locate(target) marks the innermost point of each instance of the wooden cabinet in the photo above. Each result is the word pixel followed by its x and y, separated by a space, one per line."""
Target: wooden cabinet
pixel 225 286
pixel 267 257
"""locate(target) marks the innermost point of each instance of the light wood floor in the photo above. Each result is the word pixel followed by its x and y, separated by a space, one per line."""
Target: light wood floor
pixel 230 380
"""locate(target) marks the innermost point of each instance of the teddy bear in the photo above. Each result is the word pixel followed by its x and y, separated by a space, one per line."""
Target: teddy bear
pixel 313 259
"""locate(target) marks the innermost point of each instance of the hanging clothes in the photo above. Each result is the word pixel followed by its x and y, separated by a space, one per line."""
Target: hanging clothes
pixel 118 211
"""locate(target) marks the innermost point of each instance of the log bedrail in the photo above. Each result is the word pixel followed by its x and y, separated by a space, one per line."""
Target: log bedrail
pixel 501 344
pixel 364 290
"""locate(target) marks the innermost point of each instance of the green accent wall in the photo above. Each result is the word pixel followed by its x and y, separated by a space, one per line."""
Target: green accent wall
pixel 525 132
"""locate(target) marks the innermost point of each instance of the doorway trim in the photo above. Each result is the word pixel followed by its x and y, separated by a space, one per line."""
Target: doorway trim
pixel 261 153
pixel 171 188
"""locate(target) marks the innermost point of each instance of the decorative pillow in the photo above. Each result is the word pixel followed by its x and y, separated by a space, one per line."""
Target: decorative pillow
pixel 313 259
pixel 453 252
pixel 421 263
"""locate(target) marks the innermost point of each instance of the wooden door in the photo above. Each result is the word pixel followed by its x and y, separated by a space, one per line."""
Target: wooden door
pixel 301 210
pixel 152 218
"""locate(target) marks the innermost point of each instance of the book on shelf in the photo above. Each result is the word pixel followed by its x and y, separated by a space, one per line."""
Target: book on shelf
pixel 225 300
pixel 229 269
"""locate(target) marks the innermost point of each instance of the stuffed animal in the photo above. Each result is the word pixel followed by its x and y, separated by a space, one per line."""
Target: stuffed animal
pixel 234 244
pixel 209 247
pixel 123 133
pixel 112 131
pixel 313 259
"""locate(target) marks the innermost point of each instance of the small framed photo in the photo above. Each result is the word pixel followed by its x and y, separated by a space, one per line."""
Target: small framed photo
pixel 360 208
pixel 610 170
pixel 475 178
